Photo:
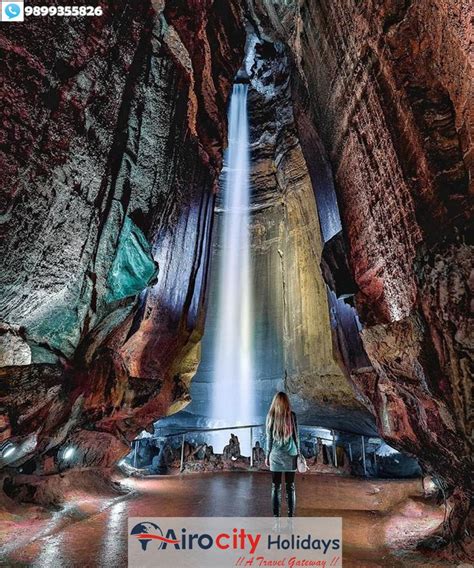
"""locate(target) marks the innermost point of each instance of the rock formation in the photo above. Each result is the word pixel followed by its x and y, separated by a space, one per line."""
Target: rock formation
pixel 113 134
pixel 287 243
pixel 232 449
pixel 112 138
pixel 387 86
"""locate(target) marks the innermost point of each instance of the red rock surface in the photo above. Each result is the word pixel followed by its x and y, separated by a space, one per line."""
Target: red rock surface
pixel 389 85
pixel 111 122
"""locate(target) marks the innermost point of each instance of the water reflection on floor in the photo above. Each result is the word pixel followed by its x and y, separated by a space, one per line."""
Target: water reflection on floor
pixel 381 519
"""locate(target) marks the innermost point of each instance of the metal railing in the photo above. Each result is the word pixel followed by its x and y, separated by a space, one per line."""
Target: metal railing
pixel 183 434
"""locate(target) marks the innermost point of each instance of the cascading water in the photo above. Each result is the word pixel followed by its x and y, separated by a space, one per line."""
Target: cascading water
pixel 233 394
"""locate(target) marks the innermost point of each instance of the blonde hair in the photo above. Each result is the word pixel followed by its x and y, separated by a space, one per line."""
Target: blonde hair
pixel 279 417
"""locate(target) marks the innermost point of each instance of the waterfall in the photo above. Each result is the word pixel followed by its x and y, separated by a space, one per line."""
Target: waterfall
pixel 233 392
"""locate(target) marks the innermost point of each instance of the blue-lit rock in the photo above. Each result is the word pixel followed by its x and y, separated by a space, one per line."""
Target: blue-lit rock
pixel 133 267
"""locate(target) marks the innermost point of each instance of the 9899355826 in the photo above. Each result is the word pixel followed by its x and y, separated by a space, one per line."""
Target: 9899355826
pixel 65 11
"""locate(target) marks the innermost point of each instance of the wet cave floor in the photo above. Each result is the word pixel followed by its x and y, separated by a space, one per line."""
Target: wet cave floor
pixel 382 519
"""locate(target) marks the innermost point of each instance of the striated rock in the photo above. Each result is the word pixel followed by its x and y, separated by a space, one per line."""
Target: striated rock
pixel 288 246
pixel 14 350
pixel 95 449
pixel 133 267
pixel 387 86
pixel 446 287
pixel 56 490
pixel 113 132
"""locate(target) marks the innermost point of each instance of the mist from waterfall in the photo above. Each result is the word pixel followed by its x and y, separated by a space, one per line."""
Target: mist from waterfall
pixel 233 394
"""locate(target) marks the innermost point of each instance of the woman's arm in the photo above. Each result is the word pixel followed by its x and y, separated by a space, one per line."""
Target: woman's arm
pixel 297 434
pixel 269 439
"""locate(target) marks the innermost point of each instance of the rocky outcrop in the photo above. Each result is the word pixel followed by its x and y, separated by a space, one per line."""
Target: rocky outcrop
pixel 14 350
pixel 287 248
pixel 388 86
pixel 113 136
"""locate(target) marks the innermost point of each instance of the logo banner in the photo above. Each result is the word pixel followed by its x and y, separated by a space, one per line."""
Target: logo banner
pixel 221 542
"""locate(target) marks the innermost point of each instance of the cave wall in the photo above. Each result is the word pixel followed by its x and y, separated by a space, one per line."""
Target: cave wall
pixel 387 85
pixel 113 132
pixel 287 246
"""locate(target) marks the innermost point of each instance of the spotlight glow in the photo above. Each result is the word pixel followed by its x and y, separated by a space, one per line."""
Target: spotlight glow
pixel 385 450
pixel 9 451
pixel 68 453
pixel 233 395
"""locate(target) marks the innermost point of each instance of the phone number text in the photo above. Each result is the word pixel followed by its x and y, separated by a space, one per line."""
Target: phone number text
pixel 63 11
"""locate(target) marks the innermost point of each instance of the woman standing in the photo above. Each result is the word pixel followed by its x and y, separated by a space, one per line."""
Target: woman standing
pixel 283 446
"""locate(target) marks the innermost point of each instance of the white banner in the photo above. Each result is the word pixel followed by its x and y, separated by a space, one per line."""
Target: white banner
pixel 221 542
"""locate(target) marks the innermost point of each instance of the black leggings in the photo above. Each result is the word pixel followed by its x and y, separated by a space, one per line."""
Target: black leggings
pixel 289 477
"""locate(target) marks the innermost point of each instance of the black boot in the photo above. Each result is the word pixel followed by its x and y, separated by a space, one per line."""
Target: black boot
pixel 291 498
pixel 276 499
